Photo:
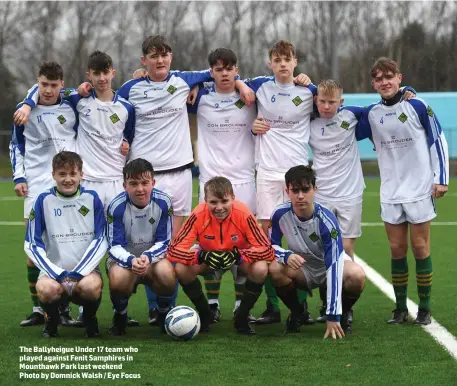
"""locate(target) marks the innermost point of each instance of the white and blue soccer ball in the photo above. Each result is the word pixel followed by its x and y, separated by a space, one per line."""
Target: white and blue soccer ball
pixel 182 323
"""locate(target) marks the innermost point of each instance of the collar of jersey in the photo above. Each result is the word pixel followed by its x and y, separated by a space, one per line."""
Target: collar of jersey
pixel 301 218
pixel 394 100
pixel 285 85
pixel 134 206
pixel 94 95
pixel 149 80
pixel 58 194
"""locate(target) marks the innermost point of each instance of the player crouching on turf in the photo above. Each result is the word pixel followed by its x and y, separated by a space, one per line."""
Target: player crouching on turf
pixel 227 233
pixel 316 255
pixel 66 239
pixel 139 232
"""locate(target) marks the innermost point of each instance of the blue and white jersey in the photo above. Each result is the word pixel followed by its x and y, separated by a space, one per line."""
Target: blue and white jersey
pixel 162 134
pixel 49 130
pixel 287 108
pixel 411 148
pixel 318 240
pixel 133 232
pixel 102 128
pixel 66 235
pixel 225 142
pixel 336 157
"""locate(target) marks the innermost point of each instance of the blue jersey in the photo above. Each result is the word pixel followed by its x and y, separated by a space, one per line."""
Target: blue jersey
pixel 133 232
pixel 318 240
pixel 66 235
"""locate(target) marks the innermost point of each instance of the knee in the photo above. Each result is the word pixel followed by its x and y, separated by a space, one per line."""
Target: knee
pixel 164 274
pixel 49 292
pixel 259 271
pixel 399 248
pixel 90 288
pixel 420 247
pixel 184 273
pixel 355 279
pixel 275 270
pixel 119 283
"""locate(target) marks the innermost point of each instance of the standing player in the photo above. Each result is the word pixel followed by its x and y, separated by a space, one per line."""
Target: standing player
pixel 282 134
pixel 315 255
pixel 414 167
pixel 139 231
pixel 66 241
pixel 51 128
pixel 227 234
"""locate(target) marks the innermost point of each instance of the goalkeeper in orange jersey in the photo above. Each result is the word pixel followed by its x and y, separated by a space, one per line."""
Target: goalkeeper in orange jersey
pixel 226 234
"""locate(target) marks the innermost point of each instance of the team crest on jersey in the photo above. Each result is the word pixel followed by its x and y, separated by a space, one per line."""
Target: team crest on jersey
pixel 345 125
pixel 402 118
pixel 334 233
pixel 151 220
pixel 32 215
pixel 114 118
pixel 83 210
pixel 110 218
pixel 313 237
pixel 430 111
pixel 297 100
pixel 239 103
pixel 234 238
pixel 171 89
pixel 67 92
pixel 170 211
pixel 61 119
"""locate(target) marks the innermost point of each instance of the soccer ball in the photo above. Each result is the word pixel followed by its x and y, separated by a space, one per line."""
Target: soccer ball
pixel 182 323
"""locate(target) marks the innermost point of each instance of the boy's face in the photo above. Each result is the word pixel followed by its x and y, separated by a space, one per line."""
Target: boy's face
pixel 157 64
pixel 219 207
pixel 67 179
pixel 48 90
pixel 386 84
pixel 101 80
pixel 139 189
pixel 301 196
pixel 283 67
pixel 328 103
pixel 224 76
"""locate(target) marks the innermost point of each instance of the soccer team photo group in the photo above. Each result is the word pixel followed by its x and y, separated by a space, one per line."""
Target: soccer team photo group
pixel 110 205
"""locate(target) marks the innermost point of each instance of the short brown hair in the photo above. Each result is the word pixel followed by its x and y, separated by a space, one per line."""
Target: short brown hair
pixel 67 158
pixel 219 187
pixel 384 65
pixel 155 42
pixel 51 70
pixel 282 47
pixel 329 87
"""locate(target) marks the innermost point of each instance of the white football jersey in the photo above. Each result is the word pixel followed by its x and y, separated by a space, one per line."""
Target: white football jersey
pixel 225 141
pixel 66 235
pixel 49 130
pixel 411 148
pixel 287 108
pixel 133 232
pixel 162 134
pixel 318 240
pixel 336 157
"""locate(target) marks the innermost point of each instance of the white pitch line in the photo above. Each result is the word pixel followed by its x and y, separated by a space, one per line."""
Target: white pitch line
pixel 12 223
pixel 436 330
pixel 11 198
pixel 381 224
pixel 376 194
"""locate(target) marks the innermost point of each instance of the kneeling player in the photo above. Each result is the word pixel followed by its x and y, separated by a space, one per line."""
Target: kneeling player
pixel 66 240
pixel 227 234
pixel 139 232
pixel 316 255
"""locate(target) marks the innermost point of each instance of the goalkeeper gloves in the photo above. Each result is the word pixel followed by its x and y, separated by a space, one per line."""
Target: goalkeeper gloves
pixel 219 259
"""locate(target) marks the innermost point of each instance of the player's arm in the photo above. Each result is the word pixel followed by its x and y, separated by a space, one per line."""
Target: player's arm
pixel 260 247
pixel 281 254
pixel 163 233
pixel 117 242
pixel 437 144
pixel 97 248
pixel 17 152
pixel 192 108
pixel 180 249
pixel 129 128
pixel 34 245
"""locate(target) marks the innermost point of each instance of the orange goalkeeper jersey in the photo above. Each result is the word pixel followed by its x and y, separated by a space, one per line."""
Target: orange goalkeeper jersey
pixel 240 229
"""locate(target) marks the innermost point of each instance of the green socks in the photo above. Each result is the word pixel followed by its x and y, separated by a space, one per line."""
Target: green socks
pixel 424 275
pixel 400 281
pixel 212 287
pixel 272 298
pixel 32 277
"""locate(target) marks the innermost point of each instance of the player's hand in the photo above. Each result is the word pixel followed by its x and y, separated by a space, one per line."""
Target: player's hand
pixel 247 95
pixel 260 126
pixel 21 115
pixel 84 89
pixel 295 261
pixel 302 80
pixel 21 189
pixel 217 259
pixel 68 285
pixel 140 73
pixel 334 329
pixel 438 190
pixel 408 95
pixel 192 97
pixel 125 147
pixel 140 265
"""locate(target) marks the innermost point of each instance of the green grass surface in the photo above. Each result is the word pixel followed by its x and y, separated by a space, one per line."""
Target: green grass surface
pixel 375 354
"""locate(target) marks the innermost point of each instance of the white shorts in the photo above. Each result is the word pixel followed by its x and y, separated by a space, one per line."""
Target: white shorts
pixel 28 205
pixel 316 277
pixel 348 213
pixel 270 194
pixel 243 192
pixel 178 185
pixel 106 190
pixel 413 212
